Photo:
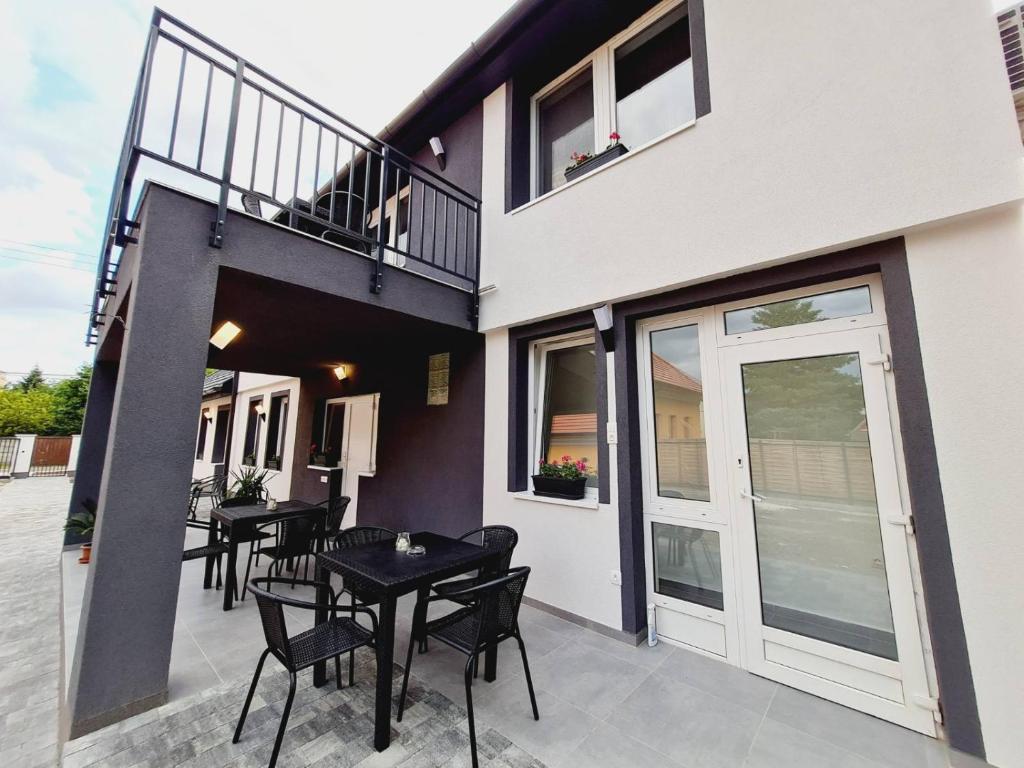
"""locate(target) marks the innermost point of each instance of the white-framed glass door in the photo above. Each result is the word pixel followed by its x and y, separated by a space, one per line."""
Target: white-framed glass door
pixel 823 564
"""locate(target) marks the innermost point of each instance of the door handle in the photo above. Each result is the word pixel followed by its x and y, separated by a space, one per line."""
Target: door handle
pixel 748 495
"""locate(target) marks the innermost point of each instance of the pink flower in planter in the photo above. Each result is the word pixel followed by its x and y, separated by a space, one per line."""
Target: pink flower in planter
pixel 614 136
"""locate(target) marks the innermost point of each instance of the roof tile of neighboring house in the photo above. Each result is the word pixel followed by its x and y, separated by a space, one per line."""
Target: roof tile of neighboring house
pixel 667 373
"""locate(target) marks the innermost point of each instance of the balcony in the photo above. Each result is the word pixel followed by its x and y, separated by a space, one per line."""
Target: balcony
pixel 227 131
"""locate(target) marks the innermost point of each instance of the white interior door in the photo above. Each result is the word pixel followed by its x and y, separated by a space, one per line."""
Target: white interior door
pixel 359 447
pixel 824 577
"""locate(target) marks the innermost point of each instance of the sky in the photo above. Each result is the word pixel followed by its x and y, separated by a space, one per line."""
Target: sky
pixel 69 70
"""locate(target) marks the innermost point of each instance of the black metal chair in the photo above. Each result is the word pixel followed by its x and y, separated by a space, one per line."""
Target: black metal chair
pixel 198 553
pixel 297 538
pixel 335 509
pixel 497 537
pixel 490 617
pixel 358 536
pixel 326 640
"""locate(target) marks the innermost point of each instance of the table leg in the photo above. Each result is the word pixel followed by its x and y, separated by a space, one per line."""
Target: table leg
pixel 323 597
pixel 229 577
pixel 385 657
pixel 211 539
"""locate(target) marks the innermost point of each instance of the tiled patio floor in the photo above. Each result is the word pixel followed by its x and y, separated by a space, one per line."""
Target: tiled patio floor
pixel 602 703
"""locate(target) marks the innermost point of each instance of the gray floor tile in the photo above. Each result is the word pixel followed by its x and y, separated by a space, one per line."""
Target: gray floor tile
pixel 608 747
pixel 779 746
pixel 719 678
pixel 854 731
pixel 591 679
pixel 690 726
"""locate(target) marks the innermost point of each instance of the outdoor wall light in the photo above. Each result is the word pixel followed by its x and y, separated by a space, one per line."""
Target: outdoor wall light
pixel 341 372
pixel 604 321
pixel 438 149
pixel 208 414
pixel 225 334
pixel 258 410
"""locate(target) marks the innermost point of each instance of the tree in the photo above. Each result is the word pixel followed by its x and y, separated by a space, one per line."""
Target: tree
pixel 69 398
pixel 33 380
pixel 29 412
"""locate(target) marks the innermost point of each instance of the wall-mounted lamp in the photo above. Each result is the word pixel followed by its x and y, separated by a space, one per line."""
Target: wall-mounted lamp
pixel 208 414
pixel 604 320
pixel 259 410
pixel 225 334
pixel 438 149
pixel 341 372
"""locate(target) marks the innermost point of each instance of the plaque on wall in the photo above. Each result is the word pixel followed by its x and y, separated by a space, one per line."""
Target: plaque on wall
pixel 437 379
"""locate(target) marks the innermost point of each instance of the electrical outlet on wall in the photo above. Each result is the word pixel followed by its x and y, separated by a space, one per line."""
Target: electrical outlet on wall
pixel 617 578
pixel 323 479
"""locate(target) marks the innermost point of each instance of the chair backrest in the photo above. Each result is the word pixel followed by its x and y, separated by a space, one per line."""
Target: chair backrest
pixel 298 534
pixel 335 513
pixel 360 535
pixel 499 601
pixel 271 610
pixel 193 499
pixel 497 537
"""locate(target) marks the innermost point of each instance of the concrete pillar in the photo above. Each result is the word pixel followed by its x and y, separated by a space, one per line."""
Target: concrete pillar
pixel 123 651
pixel 92 446
pixel 23 461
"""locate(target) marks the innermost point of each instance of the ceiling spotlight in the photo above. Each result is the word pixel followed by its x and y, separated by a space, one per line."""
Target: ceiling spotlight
pixel 438 149
pixel 208 414
pixel 258 408
pixel 341 373
pixel 225 334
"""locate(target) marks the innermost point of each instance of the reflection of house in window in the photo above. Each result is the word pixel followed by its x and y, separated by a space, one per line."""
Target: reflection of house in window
pixel 681 452
pixel 568 406
pixel 677 396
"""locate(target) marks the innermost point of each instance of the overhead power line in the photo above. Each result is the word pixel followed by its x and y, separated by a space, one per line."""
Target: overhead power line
pixel 48 247
pixel 40 263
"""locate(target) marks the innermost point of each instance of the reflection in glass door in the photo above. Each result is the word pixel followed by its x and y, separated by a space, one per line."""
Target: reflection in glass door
pixel 819 542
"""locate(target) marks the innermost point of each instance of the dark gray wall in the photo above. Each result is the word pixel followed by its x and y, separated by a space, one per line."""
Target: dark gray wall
pixel 945 625
pixel 429 458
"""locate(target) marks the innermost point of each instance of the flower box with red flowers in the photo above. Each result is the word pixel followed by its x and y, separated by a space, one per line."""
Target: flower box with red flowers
pixel 564 479
pixel 585 162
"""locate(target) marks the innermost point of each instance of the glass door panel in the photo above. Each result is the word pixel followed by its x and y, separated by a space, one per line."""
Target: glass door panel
pixel 819 543
pixel 687 564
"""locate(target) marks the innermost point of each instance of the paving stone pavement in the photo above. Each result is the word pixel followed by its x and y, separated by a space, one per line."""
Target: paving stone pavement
pixel 327 727
pixel 32 513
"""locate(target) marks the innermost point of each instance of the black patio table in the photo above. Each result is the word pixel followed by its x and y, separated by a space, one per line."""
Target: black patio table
pixel 241 522
pixel 387 575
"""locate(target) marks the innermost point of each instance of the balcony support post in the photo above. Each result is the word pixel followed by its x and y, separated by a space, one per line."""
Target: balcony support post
pixel 217 227
pixel 377 283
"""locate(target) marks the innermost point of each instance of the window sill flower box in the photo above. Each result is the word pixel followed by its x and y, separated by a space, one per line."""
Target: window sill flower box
pixel 613 151
pixel 559 487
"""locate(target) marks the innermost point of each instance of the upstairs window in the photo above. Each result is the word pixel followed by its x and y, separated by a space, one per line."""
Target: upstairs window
pixel 639 85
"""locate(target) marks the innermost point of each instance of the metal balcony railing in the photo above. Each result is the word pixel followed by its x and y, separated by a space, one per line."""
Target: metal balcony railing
pixel 231 132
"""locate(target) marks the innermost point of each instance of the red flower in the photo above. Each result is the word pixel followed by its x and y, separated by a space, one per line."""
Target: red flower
pixel 614 136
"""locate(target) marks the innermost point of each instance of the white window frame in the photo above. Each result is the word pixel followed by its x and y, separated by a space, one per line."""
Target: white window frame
pixel 538 378
pixel 602 65
pixel 717 509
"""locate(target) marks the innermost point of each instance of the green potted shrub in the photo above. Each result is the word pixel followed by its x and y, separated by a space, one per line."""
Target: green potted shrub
pixel 564 479
pixel 82 524
pixel 250 483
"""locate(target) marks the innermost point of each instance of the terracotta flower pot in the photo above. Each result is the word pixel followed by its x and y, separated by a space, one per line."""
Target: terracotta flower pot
pixel 86 554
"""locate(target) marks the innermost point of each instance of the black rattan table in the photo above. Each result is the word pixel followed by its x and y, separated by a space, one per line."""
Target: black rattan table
pixel 387 575
pixel 241 522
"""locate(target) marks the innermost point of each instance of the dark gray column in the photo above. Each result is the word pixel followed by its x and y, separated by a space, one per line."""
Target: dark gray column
pixel 93 448
pixel 124 644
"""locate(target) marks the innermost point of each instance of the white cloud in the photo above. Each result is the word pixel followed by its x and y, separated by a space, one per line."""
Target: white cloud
pixel 39 203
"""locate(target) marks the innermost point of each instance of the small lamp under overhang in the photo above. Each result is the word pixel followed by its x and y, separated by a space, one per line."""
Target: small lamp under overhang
pixel 258 409
pixel 225 334
pixel 208 414
pixel 438 149
pixel 341 372
pixel 604 320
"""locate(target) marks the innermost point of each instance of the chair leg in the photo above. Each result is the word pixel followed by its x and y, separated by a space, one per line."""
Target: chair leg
pixel 405 675
pixel 284 720
pixel 337 671
pixel 469 710
pixel 352 653
pixel 529 680
pixel 248 699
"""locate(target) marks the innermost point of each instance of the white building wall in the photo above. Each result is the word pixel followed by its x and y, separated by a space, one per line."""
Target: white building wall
pixel 831 124
pixel 968 280
pixel 572 550
pixel 252 385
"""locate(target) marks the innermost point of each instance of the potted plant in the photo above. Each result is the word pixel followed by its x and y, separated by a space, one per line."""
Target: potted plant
pixel 564 479
pixel 274 462
pixel 250 483
pixel 82 524
pixel 317 458
pixel 585 162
